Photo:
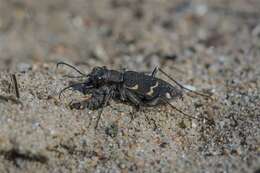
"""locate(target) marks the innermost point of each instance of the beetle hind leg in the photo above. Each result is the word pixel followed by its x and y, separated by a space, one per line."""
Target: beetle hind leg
pixel 155 71
pixel 133 115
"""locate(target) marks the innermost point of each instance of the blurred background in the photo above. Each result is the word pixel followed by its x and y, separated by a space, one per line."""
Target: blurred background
pixel 211 45
pixel 138 34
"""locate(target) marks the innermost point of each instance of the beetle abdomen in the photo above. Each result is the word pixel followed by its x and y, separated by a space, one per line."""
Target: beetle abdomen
pixel 140 83
pixel 148 87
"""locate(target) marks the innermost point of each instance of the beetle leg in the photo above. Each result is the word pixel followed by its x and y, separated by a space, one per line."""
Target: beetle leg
pixel 124 97
pixel 137 102
pixel 106 100
pixel 135 109
pixel 133 98
pixel 155 71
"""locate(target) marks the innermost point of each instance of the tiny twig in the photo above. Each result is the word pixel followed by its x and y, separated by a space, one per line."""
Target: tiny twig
pixel 15 84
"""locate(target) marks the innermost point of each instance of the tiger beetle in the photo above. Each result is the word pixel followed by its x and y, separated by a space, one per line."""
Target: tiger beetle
pixel 136 88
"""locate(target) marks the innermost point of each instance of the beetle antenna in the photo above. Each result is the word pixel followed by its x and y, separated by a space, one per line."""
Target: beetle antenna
pixel 71 86
pixel 180 85
pixel 74 68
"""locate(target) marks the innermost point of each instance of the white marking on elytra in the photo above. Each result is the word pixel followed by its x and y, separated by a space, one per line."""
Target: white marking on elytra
pixel 152 89
pixel 134 87
pixel 168 95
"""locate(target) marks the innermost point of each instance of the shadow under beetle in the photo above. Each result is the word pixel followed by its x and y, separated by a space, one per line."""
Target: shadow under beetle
pixel 136 88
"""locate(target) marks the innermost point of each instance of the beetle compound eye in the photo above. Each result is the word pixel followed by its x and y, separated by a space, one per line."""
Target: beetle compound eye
pixel 97 72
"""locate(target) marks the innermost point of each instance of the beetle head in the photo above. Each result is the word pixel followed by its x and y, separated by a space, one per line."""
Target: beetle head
pixel 98 75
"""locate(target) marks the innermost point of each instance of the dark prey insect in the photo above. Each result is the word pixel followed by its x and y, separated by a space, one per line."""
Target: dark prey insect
pixel 138 89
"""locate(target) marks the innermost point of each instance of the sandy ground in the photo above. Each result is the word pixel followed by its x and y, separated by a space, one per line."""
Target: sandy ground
pixel 211 46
